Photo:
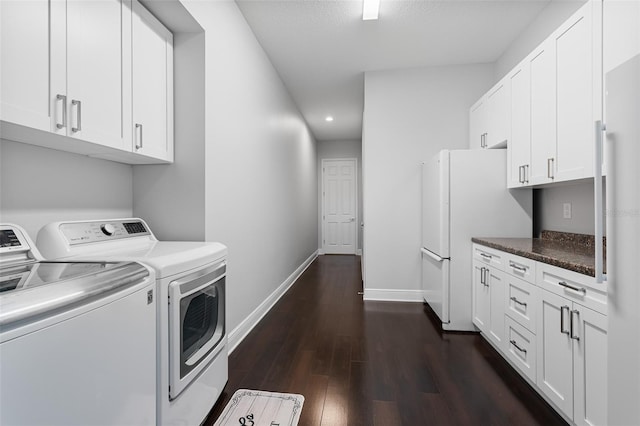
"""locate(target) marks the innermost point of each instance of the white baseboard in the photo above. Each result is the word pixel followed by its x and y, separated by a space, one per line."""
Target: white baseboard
pixel 385 295
pixel 238 334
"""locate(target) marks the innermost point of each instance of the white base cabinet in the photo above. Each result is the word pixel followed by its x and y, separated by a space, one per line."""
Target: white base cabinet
pixel 554 329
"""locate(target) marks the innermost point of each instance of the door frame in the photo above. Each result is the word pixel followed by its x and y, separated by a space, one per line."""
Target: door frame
pixel 322 202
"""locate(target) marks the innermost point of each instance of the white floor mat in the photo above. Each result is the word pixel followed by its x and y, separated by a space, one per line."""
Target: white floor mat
pixel 259 408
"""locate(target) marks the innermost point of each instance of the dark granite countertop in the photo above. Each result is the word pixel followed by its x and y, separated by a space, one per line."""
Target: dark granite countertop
pixel 575 252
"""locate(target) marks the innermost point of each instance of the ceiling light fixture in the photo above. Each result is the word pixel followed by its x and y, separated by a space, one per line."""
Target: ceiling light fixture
pixel 370 9
pixel 329 118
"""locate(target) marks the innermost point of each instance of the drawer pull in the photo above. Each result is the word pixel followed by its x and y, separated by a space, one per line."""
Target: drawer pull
pixel 573 287
pixel 518 302
pixel 486 256
pixel 518 267
pixel 562 329
pixel 514 343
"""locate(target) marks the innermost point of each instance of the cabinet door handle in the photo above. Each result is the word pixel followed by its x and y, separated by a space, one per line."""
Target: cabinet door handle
pixel 575 313
pixel 62 98
pixel 562 329
pixel 520 177
pixel 486 256
pixel 526 173
pixel 518 302
pixel 138 136
pixel 515 344
pixel 482 275
pixel 550 174
pixel 78 106
pixel 486 277
pixel 573 287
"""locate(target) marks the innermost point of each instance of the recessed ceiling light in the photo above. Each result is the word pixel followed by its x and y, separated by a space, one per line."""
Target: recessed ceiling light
pixel 370 9
pixel 328 118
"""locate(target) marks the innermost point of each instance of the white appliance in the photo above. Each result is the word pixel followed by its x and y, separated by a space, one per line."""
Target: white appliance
pixel 191 278
pixel 464 195
pixel 77 339
pixel 622 146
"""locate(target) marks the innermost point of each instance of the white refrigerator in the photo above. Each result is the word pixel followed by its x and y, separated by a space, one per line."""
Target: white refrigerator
pixel 622 147
pixel 464 195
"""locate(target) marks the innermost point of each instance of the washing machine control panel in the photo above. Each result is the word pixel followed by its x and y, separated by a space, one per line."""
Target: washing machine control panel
pixel 93 232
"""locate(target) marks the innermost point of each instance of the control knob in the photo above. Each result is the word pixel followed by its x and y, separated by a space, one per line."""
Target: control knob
pixel 108 229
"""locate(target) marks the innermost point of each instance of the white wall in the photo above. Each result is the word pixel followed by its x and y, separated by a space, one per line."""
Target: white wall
pixel 549 204
pixel 409 115
pixel 260 163
pixel 545 23
pixel 333 150
pixel 40 185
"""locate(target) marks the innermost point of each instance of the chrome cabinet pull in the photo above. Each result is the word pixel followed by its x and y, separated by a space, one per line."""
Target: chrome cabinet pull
pixel 574 335
pixel 139 136
pixel 486 256
pixel 482 275
pixel 572 287
pixel 517 267
pixel 562 330
pixel 78 106
pixel 62 98
pixel 518 302
pixel 550 168
pixel 520 177
pixel 526 173
pixel 514 343
pixel 486 277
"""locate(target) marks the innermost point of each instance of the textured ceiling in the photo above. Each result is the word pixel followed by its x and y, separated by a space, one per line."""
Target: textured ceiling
pixel 321 48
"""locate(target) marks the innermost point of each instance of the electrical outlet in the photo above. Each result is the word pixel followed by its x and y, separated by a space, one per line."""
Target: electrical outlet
pixel 566 210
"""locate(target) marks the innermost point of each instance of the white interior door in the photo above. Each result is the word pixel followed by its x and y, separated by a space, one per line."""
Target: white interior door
pixel 339 195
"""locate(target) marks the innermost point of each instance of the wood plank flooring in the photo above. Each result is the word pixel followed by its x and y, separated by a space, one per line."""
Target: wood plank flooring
pixel 375 363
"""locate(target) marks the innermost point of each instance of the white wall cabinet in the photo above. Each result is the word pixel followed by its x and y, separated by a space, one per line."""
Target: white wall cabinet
pixel 555 329
pixel 489 124
pixel 24 27
pixel 152 65
pixel 73 91
pixel 519 149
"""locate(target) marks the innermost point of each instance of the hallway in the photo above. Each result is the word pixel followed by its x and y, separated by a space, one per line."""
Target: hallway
pixel 375 363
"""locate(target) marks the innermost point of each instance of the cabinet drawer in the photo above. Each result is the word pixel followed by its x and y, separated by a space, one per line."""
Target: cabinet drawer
pixel 576 287
pixel 489 256
pixel 520 346
pixel 521 302
pixel 520 267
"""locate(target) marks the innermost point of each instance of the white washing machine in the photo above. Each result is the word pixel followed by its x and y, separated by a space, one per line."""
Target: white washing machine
pixel 77 339
pixel 191 277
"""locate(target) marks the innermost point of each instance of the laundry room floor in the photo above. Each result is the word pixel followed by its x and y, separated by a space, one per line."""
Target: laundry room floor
pixel 375 363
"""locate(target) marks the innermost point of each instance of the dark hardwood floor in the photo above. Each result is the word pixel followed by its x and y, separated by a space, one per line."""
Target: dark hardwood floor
pixel 375 363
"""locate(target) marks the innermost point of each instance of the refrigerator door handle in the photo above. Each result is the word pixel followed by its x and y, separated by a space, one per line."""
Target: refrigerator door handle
pixel 432 255
pixel 599 202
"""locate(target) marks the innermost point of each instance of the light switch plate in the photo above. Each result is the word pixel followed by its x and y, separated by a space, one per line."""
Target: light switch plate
pixel 566 210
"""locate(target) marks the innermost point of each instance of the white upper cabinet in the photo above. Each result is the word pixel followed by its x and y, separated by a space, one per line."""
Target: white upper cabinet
pixel 542 65
pixel 24 27
pixel 152 66
pixel 579 104
pixel 97 99
pixel 477 124
pixel 73 90
pixel 519 152
pixel 489 123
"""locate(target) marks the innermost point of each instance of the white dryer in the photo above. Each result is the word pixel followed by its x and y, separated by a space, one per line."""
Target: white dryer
pixel 77 339
pixel 191 278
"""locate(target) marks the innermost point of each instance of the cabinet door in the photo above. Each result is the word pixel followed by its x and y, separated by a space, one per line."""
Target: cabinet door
pixel 575 77
pixel 95 72
pixel 481 298
pixel 543 113
pixel 498 117
pixel 520 143
pixel 152 84
pixel 590 367
pixel 555 351
pixel 496 282
pixel 477 124
pixel 24 63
